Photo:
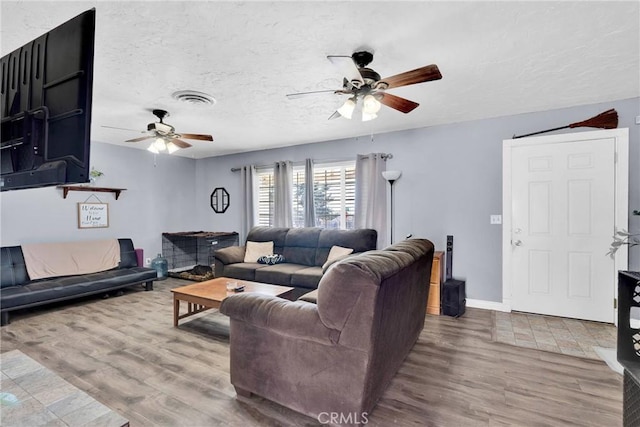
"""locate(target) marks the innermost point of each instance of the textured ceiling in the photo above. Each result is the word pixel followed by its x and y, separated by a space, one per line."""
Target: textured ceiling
pixel 497 58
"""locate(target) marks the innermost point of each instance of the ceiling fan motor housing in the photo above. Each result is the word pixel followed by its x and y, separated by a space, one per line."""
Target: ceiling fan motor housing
pixel 369 76
pixel 362 59
pixel 161 128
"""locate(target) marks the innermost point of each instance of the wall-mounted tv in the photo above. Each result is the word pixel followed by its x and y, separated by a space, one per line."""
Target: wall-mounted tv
pixel 46 107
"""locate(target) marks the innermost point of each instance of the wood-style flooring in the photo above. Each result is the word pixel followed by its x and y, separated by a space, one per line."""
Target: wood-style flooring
pixel 125 353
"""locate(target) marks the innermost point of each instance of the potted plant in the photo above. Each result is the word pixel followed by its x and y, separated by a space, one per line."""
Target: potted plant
pixel 623 237
pixel 94 174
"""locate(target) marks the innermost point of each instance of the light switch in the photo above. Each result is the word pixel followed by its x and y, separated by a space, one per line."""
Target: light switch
pixel 495 219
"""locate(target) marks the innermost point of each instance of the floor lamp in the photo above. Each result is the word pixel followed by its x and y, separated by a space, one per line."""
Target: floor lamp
pixel 391 176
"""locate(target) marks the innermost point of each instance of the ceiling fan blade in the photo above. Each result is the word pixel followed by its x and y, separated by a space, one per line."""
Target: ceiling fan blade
pixel 315 92
pixel 335 115
pixel 180 143
pixel 419 75
pixel 113 127
pixel 348 68
pixel 396 102
pixel 196 136
pixel 142 138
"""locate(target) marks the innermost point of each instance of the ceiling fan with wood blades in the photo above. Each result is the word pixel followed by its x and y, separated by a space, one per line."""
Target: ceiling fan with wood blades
pixel 364 84
pixel 165 135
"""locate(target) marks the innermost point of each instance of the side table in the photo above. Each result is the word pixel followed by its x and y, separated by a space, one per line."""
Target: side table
pixel 628 345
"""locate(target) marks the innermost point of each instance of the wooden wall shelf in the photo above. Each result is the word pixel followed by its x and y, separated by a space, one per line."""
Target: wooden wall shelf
pixel 67 188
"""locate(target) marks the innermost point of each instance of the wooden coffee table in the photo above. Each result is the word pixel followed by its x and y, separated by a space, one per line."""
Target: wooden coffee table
pixel 210 294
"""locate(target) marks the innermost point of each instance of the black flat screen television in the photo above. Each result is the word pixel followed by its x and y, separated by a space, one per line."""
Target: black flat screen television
pixel 46 107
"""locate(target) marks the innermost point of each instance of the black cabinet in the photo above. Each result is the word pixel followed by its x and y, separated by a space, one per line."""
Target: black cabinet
pixel 628 346
pixel 190 248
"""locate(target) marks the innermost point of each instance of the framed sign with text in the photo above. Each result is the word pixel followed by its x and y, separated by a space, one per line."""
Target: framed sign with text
pixel 93 215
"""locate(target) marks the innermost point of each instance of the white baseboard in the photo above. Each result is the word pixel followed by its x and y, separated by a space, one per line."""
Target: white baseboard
pixel 488 305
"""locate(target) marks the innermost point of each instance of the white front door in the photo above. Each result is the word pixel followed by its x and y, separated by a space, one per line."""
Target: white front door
pixel 563 216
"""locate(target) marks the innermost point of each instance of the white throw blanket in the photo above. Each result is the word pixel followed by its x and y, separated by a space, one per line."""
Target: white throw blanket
pixel 70 258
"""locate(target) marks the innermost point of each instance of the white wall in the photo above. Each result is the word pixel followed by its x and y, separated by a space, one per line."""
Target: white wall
pixel 451 183
pixel 158 199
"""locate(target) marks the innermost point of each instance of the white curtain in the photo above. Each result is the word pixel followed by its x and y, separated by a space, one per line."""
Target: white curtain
pixel 371 195
pixel 282 197
pixel 309 201
pixel 248 187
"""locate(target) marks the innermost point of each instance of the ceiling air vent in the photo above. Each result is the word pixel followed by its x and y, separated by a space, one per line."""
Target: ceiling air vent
pixel 193 97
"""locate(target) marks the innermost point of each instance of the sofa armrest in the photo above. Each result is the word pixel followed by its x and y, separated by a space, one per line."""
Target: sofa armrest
pixel 295 319
pixel 230 255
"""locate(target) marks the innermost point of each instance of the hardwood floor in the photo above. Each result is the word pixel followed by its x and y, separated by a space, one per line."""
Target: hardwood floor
pixel 125 352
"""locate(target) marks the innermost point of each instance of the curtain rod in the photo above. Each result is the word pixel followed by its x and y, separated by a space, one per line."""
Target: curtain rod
pixel 385 156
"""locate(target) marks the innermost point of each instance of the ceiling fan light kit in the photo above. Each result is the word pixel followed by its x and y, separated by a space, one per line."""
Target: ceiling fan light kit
pixel 368 116
pixel 171 147
pixel 370 104
pixel 363 83
pixel 153 148
pixel 347 108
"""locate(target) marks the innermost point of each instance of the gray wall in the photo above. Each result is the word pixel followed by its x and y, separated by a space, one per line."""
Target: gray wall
pixel 451 182
pixel 158 199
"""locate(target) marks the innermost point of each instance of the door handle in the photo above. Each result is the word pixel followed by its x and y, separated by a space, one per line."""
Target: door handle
pixel 517 242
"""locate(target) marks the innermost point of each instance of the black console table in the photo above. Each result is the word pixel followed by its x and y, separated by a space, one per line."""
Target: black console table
pixel 628 348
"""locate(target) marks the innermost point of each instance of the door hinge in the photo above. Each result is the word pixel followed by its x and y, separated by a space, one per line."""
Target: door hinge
pixel 615 303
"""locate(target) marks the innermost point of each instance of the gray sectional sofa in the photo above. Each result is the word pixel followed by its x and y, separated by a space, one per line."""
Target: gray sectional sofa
pixel 18 291
pixel 305 250
pixel 340 354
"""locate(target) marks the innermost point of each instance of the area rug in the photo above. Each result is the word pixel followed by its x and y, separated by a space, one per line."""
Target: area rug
pixel 555 334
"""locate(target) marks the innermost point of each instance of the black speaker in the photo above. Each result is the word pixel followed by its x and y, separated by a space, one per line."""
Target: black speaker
pixel 454 300
pixel 448 265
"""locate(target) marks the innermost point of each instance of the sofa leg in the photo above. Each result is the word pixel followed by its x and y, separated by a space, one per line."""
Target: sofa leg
pixel 242 392
pixel 4 318
pixel 148 286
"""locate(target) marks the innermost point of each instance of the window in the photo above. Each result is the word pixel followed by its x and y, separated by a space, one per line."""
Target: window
pixel 334 190
pixel 265 196
pixel 334 186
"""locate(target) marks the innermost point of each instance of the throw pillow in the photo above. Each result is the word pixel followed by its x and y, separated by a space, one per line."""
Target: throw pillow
pixel 271 259
pixel 255 250
pixel 336 253
pixel 327 265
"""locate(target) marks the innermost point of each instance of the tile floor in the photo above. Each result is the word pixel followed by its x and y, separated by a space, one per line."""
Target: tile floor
pixel 556 334
pixel 32 395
